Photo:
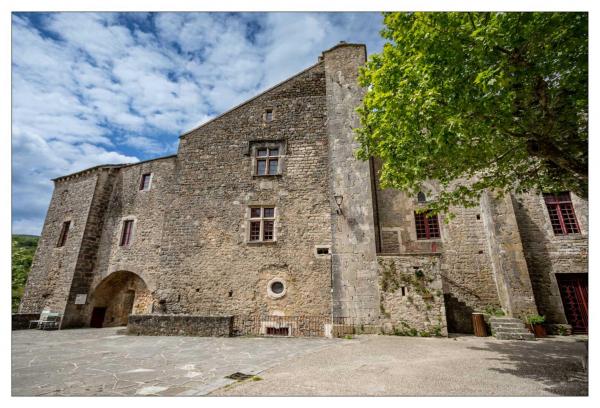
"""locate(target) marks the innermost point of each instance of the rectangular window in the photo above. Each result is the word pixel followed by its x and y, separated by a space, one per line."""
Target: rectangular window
pixel 262 224
pixel 562 214
pixel 268 115
pixel 427 225
pixel 126 234
pixel 64 232
pixel 145 181
pixel 267 161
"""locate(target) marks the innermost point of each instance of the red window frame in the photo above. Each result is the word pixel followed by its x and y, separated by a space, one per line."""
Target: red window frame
pixel 427 226
pixel 64 232
pixel 561 213
pixel 126 233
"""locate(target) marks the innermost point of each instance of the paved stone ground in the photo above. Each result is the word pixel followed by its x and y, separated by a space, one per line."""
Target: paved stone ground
pixel 102 362
pixel 403 366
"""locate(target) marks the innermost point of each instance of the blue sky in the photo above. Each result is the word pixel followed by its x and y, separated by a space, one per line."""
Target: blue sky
pixel 97 88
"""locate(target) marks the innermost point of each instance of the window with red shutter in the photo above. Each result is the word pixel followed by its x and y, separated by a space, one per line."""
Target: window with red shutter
pixel 561 213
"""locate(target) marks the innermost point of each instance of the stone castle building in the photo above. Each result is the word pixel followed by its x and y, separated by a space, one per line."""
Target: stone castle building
pixel 264 211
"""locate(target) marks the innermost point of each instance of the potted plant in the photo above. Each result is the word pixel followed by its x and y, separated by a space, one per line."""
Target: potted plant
pixel 535 325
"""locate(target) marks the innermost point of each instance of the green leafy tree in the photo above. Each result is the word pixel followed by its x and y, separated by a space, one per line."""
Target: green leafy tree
pixel 478 101
pixel 23 249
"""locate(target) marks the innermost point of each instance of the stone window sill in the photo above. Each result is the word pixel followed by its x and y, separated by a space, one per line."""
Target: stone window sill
pixel 569 237
pixel 256 243
pixel 267 175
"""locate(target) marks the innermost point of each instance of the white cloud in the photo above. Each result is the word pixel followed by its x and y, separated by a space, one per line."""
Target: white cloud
pixel 93 88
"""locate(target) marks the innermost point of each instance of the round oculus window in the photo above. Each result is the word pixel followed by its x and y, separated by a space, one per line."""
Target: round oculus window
pixel 277 287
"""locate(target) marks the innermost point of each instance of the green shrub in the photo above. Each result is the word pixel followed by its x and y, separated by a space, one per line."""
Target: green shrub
pixel 535 319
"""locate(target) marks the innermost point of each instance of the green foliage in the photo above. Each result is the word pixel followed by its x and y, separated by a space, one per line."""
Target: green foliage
pixel 348 337
pixel 493 311
pixel 478 101
pixel 23 249
pixel 535 319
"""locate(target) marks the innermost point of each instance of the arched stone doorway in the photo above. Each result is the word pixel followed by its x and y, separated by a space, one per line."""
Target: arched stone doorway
pixel 116 297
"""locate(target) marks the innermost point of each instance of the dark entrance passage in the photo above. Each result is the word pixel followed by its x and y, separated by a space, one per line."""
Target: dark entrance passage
pixel 116 297
pixel 574 293
pixel 98 314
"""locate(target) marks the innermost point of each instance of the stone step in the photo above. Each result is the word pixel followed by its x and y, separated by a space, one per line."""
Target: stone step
pixel 518 325
pixel 505 320
pixel 515 336
pixel 511 330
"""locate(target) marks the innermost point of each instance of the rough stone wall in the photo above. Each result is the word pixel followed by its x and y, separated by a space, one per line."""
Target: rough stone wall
pixel 147 209
pixel 82 277
pixel 180 325
pixel 412 300
pixel 51 275
pixel 548 254
pixel 207 264
pixel 508 260
pixel 465 261
pixel 20 321
pixel 354 262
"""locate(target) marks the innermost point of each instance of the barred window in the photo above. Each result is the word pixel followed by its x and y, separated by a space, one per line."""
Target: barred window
pixel 64 232
pixel 262 224
pixel 126 233
pixel 427 225
pixel 562 214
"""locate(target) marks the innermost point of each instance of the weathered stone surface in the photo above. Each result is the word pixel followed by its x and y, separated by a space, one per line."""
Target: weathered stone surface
pixel 180 325
pixel 20 321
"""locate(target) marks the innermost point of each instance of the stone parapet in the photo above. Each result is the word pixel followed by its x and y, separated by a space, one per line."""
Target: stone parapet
pixel 180 325
pixel 20 321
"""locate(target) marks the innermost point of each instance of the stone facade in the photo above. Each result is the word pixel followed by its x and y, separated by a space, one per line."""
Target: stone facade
pixel 189 250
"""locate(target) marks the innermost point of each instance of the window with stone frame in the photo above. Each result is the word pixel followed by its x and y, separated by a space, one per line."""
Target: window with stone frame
pixel 64 232
pixel 145 182
pixel 268 116
pixel 126 233
pixel 561 213
pixel 267 160
pixel 427 225
pixel 261 224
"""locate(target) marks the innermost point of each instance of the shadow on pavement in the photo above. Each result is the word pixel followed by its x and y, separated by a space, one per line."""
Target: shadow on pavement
pixel 559 365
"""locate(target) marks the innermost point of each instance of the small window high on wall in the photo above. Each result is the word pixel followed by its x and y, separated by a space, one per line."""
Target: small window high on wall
pixel 126 233
pixel 64 232
pixel 562 214
pixel 145 181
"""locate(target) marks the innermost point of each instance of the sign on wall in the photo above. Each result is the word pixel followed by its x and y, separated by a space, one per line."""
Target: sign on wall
pixel 80 299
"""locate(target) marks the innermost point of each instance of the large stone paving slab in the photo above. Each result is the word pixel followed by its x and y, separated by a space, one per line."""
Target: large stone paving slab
pixel 102 362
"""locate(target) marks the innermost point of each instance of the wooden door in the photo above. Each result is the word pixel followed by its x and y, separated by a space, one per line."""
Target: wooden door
pixel 98 314
pixel 574 293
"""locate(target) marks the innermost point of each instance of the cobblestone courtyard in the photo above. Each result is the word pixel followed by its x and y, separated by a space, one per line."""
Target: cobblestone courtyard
pixel 102 362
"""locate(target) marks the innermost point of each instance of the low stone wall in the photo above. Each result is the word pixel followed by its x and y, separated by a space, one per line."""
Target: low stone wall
pixel 180 325
pixel 20 321
pixel 411 297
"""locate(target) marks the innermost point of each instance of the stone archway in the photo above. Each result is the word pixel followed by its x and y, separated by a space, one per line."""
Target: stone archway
pixel 116 297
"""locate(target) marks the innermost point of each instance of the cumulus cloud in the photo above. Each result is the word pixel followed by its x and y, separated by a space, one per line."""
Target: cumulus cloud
pixel 96 88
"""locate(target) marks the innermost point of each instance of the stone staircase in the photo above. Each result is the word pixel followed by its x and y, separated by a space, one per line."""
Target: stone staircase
pixel 510 328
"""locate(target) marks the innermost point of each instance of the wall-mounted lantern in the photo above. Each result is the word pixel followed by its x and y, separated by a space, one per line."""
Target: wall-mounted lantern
pixel 339 199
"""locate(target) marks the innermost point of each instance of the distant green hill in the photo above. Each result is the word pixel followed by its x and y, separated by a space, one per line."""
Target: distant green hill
pixel 23 249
